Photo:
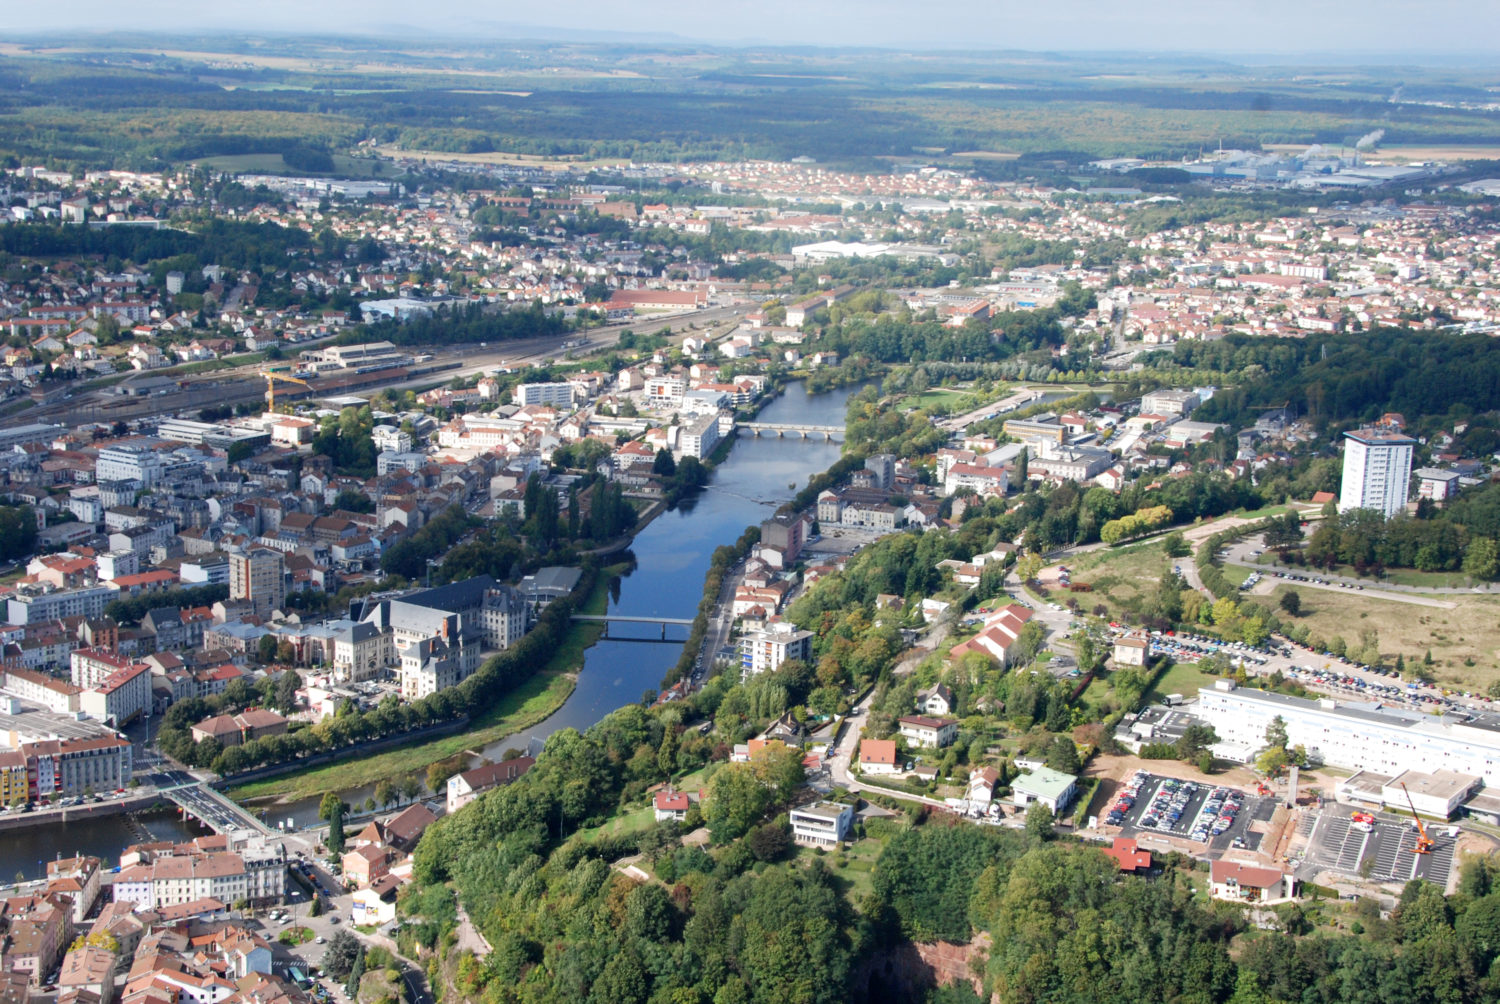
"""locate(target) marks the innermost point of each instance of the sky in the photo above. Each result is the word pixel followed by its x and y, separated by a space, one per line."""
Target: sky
pixel 1424 30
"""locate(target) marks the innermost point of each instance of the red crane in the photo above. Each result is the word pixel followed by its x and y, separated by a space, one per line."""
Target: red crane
pixel 1424 842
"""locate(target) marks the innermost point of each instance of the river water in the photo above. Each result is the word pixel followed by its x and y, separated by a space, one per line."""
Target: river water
pixel 26 851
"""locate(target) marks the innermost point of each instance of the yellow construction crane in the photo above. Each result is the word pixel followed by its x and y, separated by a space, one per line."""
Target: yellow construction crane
pixel 271 379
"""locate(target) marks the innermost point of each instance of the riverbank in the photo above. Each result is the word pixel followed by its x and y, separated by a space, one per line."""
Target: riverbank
pixel 88 810
pixel 530 704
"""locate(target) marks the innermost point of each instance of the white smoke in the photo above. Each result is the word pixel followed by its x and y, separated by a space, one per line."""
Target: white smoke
pixel 1369 139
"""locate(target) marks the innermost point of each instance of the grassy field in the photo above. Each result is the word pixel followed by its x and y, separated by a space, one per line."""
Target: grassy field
pixel 1183 678
pixel 530 703
pixel 1464 641
pixel 1122 578
pixel 938 395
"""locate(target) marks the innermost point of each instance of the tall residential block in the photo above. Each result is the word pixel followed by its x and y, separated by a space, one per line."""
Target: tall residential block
pixel 1377 470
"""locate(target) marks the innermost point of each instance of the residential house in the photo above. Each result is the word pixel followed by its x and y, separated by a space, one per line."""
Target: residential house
pixel 878 756
pixel 932 733
pixel 1051 788
pixel 1239 882
pixel 822 824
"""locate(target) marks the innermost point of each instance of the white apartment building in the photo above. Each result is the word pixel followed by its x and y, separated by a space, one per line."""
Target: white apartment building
pixel 185 874
pixel 120 697
pixel 698 437
pixel 361 651
pixel 33 605
pixel 1377 471
pixel 765 650
pixel 1355 736
pixel 1168 402
pixel 553 395
pixel 664 391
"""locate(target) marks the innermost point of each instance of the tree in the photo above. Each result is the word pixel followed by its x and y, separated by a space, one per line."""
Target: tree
pixel 1482 558
pixel 769 842
pixel 286 691
pixel 343 951
pixel 356 974
pixel 1176 545
pixel 1023 466
pixel 385 792
pixel 664 465
pixel 266 650
pixel 330 804
pixel 1271 761
pixel 779 768
pixel 1039 822
pixel 17 532
pixel 733 800
pixel 336 830
pixel 1291 602
pixel 1195 739
pixel 1062 755
pixel 411 788
pixel 1276 736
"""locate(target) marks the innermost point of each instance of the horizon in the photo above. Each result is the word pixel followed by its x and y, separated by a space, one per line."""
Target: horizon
pixel 1336 30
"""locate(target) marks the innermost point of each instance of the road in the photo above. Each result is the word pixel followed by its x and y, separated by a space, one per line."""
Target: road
pixel 720 624
pixel 843 754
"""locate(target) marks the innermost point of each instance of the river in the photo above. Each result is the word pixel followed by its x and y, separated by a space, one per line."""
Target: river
pixel 672 557
pixel 26 851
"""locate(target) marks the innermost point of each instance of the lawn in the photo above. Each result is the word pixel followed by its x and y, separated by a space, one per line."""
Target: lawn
pixel 529 704
pixel 1464 640
pixel 937 395
pixel 854 866
pixel 631 822
pixel 1183 678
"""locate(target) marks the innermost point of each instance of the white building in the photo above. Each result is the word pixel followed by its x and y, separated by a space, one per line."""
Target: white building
pixel 699 437
pixel 1377 471
pixel 1168 402
pixel 1359 737
pixel 553 395
pixel 824 824
pixel 766 649
pixel 33 605
pixel 1052 788
pixel 127 463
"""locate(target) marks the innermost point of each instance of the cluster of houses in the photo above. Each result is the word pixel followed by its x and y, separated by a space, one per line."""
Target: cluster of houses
pixel 166 933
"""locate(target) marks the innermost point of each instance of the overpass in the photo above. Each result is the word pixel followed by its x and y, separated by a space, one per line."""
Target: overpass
pixel 789 429
pixel 608 619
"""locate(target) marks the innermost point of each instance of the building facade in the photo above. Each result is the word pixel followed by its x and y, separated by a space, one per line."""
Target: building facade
pixel 1377 471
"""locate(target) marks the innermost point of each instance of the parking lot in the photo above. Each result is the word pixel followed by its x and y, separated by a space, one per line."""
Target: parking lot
pixel 1200 810
pixel 1334 844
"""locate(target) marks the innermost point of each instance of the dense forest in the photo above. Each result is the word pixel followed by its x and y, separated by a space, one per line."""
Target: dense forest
pixel 1430 378
pixel 748 919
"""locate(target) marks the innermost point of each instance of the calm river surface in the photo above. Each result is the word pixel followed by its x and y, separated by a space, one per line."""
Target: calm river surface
pixel 672 557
